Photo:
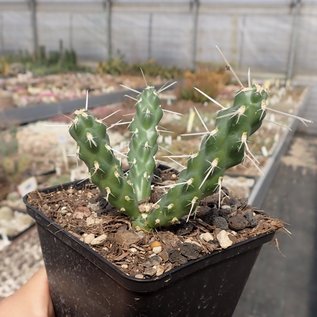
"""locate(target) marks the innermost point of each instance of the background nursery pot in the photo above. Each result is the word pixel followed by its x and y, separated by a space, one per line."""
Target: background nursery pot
pixel 83 283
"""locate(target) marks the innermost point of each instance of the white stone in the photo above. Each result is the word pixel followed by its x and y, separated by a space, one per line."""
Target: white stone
pixel 99 240
pixel 92 221
pixel 223 239
pixel 159 270
pixel 140 276
pixel 63 210
pixel 206 236
pixel 189 240
pixel 89 237
pixel 157 249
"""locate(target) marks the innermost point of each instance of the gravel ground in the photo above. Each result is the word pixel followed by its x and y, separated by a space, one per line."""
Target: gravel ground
pixel 19 261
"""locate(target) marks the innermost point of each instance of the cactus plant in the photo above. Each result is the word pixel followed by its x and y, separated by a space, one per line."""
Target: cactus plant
pixel 220 149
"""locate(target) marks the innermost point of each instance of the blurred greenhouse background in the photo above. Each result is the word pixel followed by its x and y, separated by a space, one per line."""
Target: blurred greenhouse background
pixel 271 37
pixel 51 52
pixel 274 36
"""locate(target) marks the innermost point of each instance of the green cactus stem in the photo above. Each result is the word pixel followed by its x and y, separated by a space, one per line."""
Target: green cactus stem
pixel 143 145
pixel 104 168
pixel 221 149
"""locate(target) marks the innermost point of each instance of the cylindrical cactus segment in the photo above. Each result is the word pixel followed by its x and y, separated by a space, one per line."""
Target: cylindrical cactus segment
pixel 104 168
pixel 143 145
pixel 223 148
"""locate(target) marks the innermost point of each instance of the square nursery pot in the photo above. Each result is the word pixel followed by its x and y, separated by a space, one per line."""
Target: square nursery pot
pixel 83 283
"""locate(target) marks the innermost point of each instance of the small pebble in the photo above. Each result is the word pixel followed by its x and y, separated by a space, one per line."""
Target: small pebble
pixel 190 250
pixel 92 221
pixel 150 271
pixel 84 210
pixel 99 240
pixel 168 267
pixel 78 215
pixel 164 255
pixel 63 210
pixel 159 270
pixel 124 266
pixel 249 215
pixel 152 261
pixel 225 213
pixel 156 247
pixel 206 236
pixel 157 250
pixel 140 276
pixel 89 237
pixel 190 240
pixel 155 244
pixel 223 239
pixel 176 257
pixel 125 238
pixel 220 222
pixel 133 250
pixel 238 222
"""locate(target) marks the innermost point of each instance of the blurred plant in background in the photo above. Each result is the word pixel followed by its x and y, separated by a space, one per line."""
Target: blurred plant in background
pixel 43 63
pixel 209 80
pixel 118 66
pixel 13 167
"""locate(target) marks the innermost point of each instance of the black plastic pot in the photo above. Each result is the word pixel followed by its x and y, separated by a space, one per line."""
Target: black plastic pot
pixel 82 283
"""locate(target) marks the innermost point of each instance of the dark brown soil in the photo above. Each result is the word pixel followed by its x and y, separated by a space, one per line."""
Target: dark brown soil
pixel 91 219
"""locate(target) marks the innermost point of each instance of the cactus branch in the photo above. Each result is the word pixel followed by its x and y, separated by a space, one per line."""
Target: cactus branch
pixel 224 149
pixel 104 168
pixel 143 145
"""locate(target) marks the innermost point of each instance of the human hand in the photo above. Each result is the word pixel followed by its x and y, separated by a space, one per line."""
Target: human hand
pixel 31 300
